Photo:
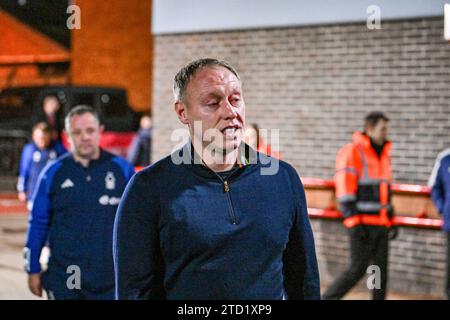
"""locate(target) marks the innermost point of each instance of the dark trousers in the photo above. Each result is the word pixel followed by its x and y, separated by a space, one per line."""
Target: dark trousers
pixel 365 251
pixel 448 267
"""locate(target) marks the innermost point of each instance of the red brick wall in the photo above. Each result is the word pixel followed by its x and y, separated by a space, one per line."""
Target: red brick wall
pixel 114 47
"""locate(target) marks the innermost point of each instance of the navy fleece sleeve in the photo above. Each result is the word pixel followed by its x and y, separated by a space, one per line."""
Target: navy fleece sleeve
pixel 137 258
pixel 300 264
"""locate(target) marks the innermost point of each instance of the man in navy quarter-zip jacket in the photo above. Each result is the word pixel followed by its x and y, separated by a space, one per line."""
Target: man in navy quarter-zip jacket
pixel 214 220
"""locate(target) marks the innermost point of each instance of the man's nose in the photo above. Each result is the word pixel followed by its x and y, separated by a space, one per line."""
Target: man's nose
pixel 85 136
pixel 229 112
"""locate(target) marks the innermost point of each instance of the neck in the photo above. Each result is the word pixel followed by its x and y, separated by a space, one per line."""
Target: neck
pixel 42 147
pixel 226 162
pixel 217 161
pixel 84 161
pixel 378 143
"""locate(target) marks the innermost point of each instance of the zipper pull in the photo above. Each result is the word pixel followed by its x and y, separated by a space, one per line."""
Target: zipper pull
pixel 226 187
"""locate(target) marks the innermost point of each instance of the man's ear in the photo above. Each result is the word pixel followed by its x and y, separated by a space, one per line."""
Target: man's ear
pixel 102 128
pixel 181 111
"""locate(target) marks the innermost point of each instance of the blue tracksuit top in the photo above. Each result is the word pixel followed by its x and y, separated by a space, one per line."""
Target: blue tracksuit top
pixel 74 208
pixel 440 186
pixel 32 161
pixel 179 235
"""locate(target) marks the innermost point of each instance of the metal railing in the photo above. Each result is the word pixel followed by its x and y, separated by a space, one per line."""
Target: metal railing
pixel 404 221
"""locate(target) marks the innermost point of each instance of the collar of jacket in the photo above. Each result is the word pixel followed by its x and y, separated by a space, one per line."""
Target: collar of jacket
pixel 92 163
pixel 363 140
pixel 247 157
pixel 44 149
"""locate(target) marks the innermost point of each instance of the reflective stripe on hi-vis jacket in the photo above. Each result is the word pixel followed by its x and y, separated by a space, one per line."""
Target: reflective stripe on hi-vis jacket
pixel 364 177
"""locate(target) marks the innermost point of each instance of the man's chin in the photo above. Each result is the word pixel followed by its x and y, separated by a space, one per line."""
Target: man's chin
pixel 230 146
pixel 86 154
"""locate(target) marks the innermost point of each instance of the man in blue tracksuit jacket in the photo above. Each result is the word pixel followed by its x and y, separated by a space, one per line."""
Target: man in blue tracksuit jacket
pixel 74 209
pixel 440 192
pixel 193 227
pixel 35 156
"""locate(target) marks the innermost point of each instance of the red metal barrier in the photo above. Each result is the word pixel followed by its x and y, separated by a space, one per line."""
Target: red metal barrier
pixel 402 221
pixel 411 189
pixel 9 204
pixel 396 187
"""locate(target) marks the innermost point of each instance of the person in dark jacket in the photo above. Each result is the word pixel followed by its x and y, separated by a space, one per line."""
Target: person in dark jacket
pixel 439 183
pixel 227 224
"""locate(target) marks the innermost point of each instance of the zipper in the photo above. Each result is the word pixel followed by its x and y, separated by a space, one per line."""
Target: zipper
pixel 226 189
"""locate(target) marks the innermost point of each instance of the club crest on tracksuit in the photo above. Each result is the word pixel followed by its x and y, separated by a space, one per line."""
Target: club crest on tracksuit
pixel 110 181
pixel 37 156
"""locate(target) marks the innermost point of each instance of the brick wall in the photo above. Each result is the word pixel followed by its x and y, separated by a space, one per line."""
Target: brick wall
pixel 316 84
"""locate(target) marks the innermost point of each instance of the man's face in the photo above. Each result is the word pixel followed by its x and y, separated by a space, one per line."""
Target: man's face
pixel 379 132
pixel 84 135
pixel 51 105
pixel 214 97
pixel 41 138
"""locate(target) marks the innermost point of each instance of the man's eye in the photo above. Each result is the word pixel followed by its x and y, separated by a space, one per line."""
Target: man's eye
pixel 212 104
pixel 235 101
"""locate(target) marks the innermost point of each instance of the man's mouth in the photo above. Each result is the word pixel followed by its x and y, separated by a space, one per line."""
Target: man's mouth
pixel 230 131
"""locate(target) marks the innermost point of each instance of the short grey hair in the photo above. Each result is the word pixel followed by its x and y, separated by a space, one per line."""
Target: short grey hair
pixel 186 73
pixel 77 111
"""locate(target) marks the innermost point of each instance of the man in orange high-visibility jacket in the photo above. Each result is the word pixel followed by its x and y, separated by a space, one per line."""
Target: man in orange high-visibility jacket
pixel 363 177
